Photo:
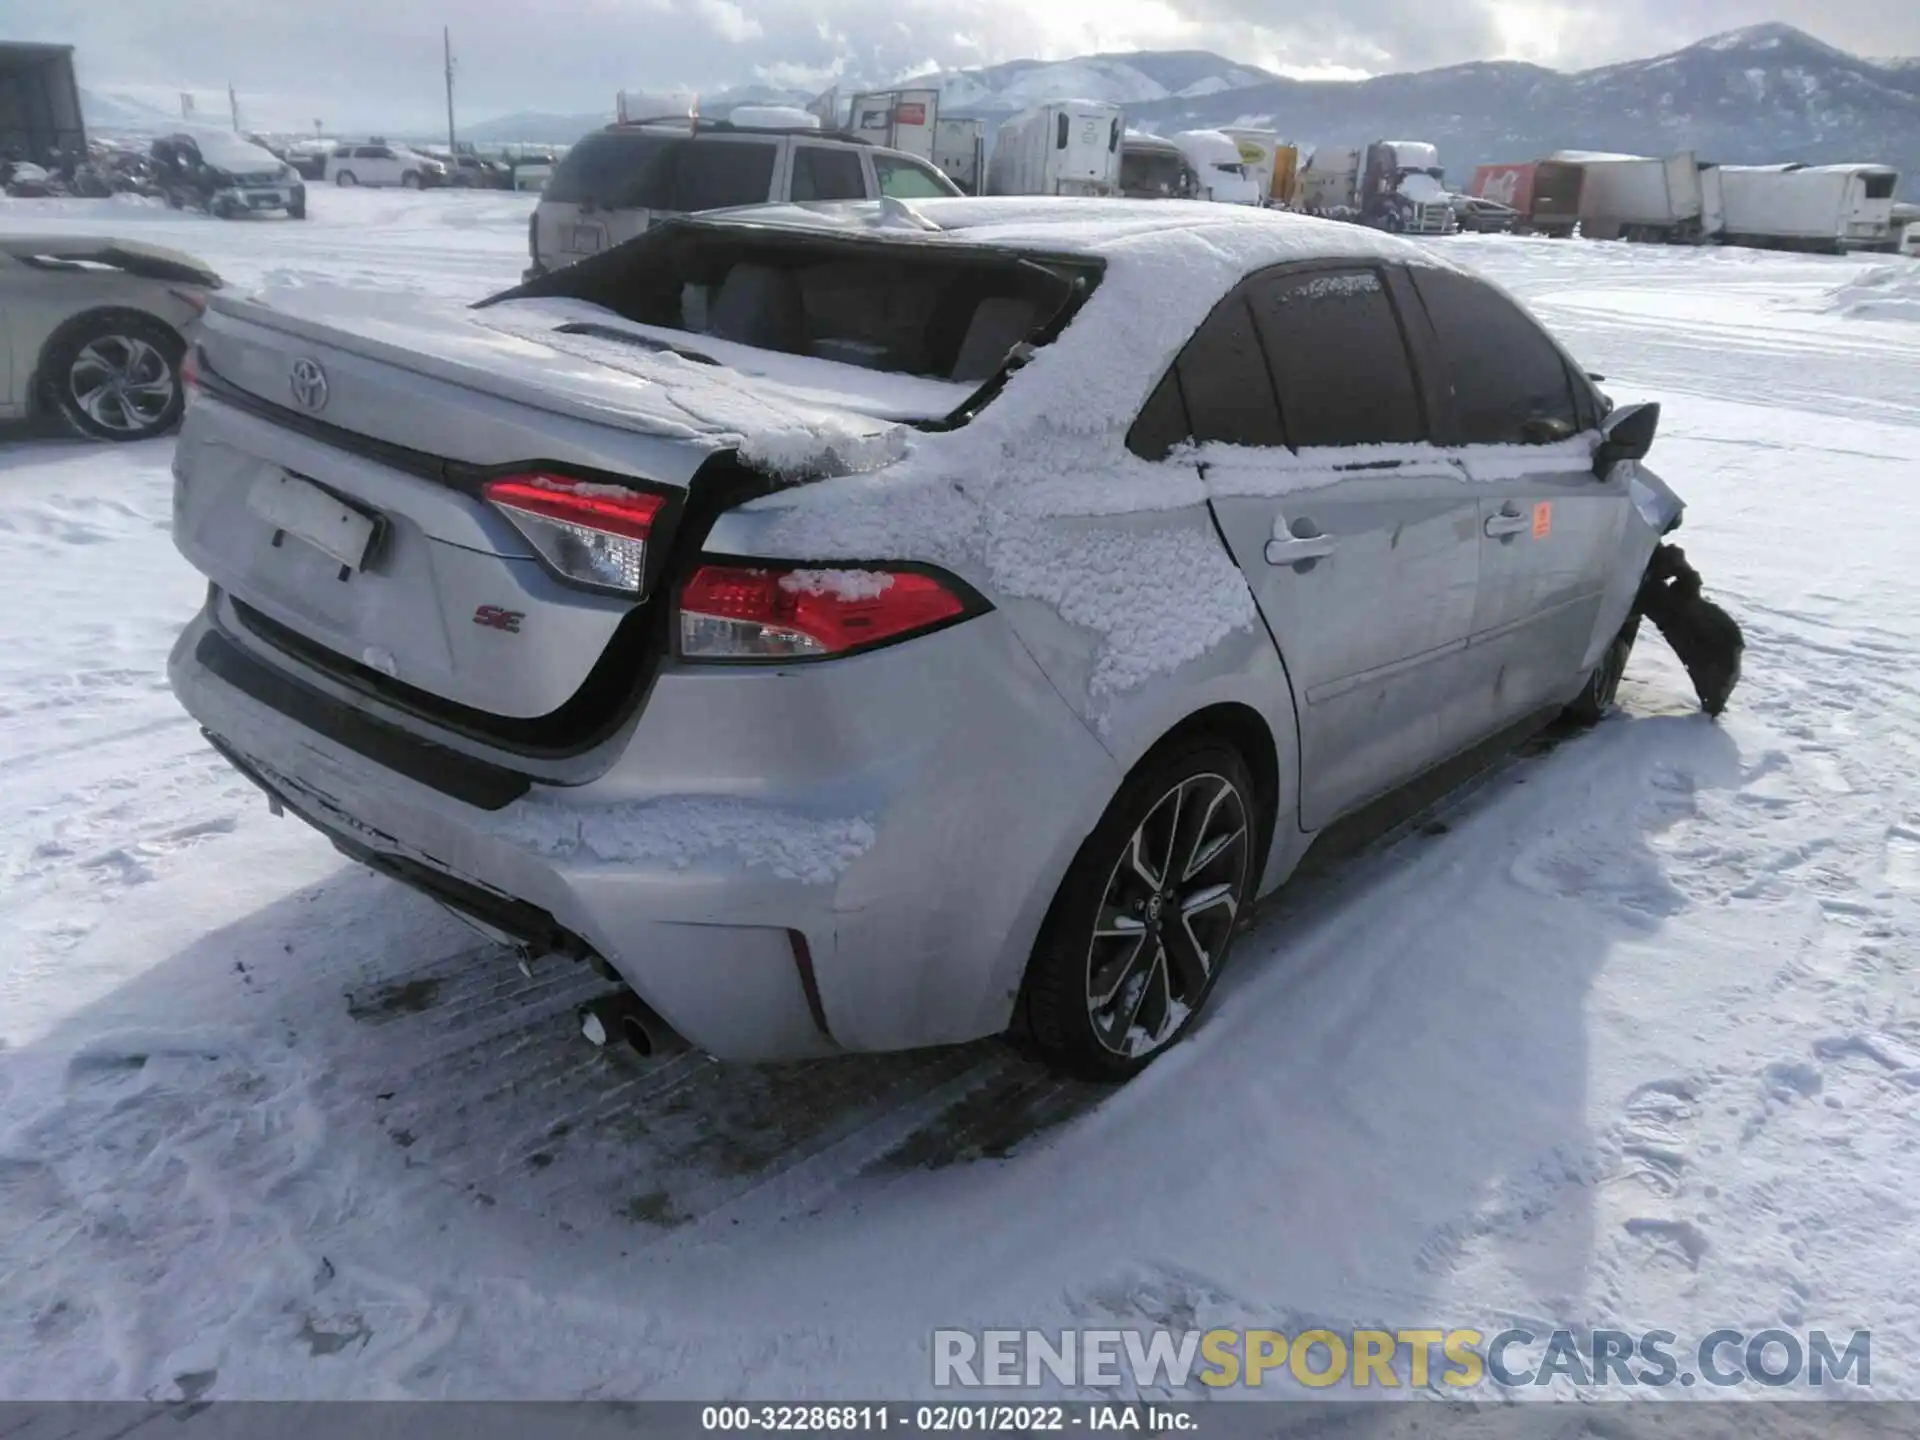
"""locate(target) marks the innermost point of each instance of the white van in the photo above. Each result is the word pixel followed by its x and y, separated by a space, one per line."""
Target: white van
pixel 1910 242
pixel 616 182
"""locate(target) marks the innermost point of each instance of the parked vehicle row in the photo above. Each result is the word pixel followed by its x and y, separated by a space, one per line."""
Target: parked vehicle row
pixel 1683 199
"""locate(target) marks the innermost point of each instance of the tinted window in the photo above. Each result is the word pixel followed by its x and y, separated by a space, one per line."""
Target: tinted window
pixel 823 174
pixel 904 180
pixel 1162 423
pixel 638 170
pixel 1339 362
pixel 619 170
pixel 1508 382
pixel 723 173
pixel 1224 379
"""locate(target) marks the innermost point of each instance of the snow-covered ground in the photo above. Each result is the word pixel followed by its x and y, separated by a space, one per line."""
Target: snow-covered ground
pixel 1627 1036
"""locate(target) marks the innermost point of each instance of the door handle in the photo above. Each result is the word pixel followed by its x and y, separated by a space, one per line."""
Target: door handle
pixel 1504 526
pixel 1292 549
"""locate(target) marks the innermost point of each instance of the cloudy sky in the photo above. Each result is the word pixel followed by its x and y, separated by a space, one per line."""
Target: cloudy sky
pixel 376 63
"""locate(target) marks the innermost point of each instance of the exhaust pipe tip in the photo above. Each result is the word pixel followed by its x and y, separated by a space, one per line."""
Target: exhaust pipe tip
pixel 625 1017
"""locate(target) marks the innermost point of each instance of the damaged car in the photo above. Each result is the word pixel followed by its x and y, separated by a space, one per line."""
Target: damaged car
pixel 94 331
pixel 225 176
pixel 859 627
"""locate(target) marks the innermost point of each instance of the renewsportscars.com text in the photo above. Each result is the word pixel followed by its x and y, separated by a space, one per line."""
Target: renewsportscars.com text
pixel 1391 1359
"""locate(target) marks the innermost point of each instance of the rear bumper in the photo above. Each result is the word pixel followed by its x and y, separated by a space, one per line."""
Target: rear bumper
pixel 782 863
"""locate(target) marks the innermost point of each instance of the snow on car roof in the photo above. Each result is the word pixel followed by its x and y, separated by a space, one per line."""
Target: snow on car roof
pixel 1086 225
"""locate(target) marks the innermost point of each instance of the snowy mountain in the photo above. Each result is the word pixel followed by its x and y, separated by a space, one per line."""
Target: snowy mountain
pixel 1118 79
pixel 1765 93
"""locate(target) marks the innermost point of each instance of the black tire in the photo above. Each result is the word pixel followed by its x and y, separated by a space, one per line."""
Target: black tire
pixel 139 350
pixel 410 180
pixel 347 178
pixel 298 209
pixel 1591 705
pixel 1195 800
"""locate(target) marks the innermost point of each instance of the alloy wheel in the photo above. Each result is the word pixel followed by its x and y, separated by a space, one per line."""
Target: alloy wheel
pixel 121 383
pixel 1167 914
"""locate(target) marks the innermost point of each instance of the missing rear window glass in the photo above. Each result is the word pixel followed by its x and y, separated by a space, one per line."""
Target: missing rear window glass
pixel 948 312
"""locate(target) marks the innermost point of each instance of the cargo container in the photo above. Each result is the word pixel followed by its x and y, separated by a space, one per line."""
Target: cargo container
pixel 1272 163
pixel 40 119
pixel 1675 198
pixel 906 120
pixel 1546 193
pixel 1067 147
pixel 1828 208
pixel 960 149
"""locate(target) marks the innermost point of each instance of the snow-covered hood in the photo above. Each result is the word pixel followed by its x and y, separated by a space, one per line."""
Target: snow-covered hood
pixel 797 416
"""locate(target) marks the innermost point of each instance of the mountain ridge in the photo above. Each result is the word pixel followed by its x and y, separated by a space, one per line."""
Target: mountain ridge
pixel 1759 94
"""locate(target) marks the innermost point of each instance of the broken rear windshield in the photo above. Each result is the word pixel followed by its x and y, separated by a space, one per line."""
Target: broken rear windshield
pixel 941 311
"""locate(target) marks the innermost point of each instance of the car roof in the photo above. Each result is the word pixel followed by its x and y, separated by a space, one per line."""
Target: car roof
pixel 1074 224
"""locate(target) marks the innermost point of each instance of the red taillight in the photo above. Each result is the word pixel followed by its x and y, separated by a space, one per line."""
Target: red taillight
pixel 190 369
pixel 590 534
pixel 734 612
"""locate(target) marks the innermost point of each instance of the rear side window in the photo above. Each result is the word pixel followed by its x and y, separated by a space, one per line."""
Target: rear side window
pixel 721 173
pixel 638 170
pixel 618 170
pixel 1224 378
pixel 904 180
pixel 1060 132
pixel 1508 381
pixel 1339 360
pixel 820 173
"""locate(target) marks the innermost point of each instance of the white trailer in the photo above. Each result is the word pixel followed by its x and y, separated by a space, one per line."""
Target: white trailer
pixel 906 120
pixel 1829 208
pixel 1330 180
pixel 1261 151
pixel 960 149
pixel 1066 147
pixel 1219 166
pixel 1675 198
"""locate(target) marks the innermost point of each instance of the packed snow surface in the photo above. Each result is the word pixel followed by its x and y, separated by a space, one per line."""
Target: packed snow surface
pixel 1629 1038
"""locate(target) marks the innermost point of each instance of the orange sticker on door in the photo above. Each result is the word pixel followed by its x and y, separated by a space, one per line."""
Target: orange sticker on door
pixel 1543 520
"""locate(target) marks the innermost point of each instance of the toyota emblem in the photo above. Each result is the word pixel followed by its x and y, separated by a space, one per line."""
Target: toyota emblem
pixel 309 385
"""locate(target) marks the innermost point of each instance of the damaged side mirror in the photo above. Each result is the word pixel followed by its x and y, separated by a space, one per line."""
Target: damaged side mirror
pixel 1626 434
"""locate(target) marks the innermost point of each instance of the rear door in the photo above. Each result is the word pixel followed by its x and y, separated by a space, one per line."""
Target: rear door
pixel 1523 423
pixel 825 172
pixel 1360 549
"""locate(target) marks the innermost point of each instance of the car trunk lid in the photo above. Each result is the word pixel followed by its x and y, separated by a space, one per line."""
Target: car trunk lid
pixel 332 481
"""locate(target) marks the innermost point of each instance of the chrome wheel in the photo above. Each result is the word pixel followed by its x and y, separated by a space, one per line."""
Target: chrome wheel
pixel 122 384
pixel 1167 915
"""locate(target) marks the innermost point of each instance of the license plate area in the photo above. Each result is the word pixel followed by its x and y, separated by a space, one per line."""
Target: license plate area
pixel 314 515
pixel 583 239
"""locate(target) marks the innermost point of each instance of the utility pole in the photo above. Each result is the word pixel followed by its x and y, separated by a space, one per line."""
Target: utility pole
pixel 446 41
pixel 233 104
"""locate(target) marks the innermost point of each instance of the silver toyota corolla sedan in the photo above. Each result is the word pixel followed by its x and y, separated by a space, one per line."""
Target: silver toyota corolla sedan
pixel 866 627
